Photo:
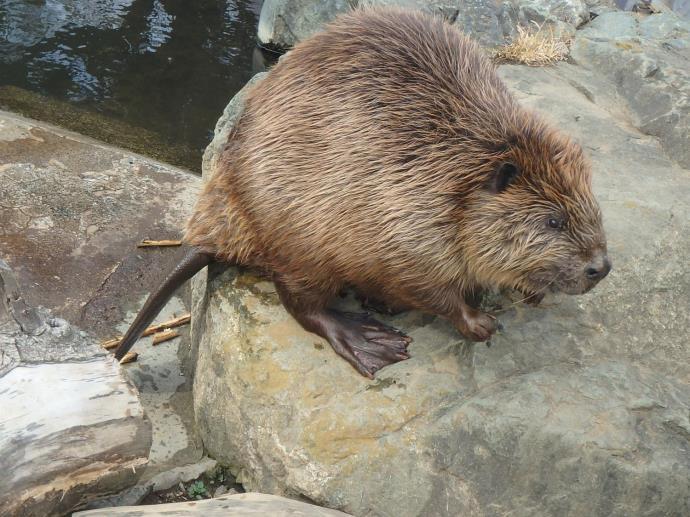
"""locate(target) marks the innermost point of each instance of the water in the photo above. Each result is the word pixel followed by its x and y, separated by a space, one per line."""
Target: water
pixel 149 75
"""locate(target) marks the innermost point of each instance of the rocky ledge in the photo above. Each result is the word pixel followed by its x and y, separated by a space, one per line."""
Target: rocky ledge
pixel 71 427
pixel 286 22
pixel 240 505
pixel 580 406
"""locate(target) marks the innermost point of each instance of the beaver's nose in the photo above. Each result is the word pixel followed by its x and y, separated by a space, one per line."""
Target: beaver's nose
pixel 598 268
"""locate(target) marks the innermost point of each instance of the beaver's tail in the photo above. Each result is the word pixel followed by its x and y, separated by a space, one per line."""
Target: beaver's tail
pixel 193 262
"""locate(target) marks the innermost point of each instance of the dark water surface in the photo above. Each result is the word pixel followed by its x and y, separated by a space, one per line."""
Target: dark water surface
pixel 149 75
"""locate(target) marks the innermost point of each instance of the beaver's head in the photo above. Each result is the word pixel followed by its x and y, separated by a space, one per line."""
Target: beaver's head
pixel 536 225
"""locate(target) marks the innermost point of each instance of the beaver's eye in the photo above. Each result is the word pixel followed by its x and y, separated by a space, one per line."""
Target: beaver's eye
pixel 556 223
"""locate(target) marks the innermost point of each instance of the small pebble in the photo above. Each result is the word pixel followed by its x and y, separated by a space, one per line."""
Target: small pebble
pixel 220 490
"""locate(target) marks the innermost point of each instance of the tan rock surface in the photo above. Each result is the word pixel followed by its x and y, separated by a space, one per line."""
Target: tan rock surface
pixel 580 407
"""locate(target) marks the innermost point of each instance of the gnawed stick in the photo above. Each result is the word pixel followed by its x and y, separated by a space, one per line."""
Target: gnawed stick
pixel 148 243
pixel 166 335
pixel 153 329
pixel 129 357
pixel 111 343
pixel 175 322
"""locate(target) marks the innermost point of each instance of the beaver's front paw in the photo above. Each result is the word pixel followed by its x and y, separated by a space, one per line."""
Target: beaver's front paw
pixel 476 325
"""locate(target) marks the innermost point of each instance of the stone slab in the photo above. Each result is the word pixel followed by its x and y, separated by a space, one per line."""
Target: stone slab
pixel 238 505
pixel 71 213
pixel 72 210
pixel 71 426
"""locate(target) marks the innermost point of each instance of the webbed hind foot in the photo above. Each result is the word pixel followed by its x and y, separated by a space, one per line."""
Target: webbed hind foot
pixel 367 344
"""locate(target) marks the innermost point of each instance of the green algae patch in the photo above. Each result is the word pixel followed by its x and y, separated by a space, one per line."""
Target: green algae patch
pixel 98 126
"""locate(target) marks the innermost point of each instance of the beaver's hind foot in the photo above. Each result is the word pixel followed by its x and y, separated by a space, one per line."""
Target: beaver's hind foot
pixel 367 344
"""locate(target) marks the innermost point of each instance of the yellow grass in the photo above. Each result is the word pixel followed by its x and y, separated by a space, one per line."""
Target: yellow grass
pixel 533 48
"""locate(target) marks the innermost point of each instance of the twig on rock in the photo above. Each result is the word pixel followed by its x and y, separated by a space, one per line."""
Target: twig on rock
pixel 166 335
pixel 175 322
pixel 147 243
pixel 153 329
pixel 111 343
pixel 129 357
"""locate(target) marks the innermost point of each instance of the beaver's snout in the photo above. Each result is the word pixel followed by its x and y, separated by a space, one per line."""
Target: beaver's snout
pixel 598 268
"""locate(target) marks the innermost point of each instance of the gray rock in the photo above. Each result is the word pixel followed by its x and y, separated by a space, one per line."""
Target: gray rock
pixel 220 490
pixel 486 21
pixel 597 7
pixel 72 211
pixel 79 206
pixel 238 505
pixel 182 474
pixel 562 16
pixel 664 27
pixel 647 62
pixel 580 407
pixel 616 25
pixel 71 427
pixel 161 481
pixel 283 23
pixel 223 490
pixel 682 7
pixel 130 497
pixel 225 123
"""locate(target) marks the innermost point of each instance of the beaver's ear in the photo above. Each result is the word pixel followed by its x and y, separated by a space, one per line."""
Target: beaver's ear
pixel 505 174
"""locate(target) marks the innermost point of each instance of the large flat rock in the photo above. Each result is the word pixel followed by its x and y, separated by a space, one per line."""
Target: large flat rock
pixel 580 406
pixel 647 61
pixel 72 211
pixel 239 505
pixel 71 426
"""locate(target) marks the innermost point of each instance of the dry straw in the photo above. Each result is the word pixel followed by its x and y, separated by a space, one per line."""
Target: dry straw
pixel 533 48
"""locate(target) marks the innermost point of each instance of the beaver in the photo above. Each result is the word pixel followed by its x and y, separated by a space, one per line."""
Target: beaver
pixel 384 154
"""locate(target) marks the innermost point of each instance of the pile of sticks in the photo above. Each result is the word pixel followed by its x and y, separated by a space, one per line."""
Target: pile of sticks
pixel 161 332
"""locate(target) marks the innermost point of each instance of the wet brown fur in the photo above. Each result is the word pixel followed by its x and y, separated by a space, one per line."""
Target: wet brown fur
pixel 366 157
